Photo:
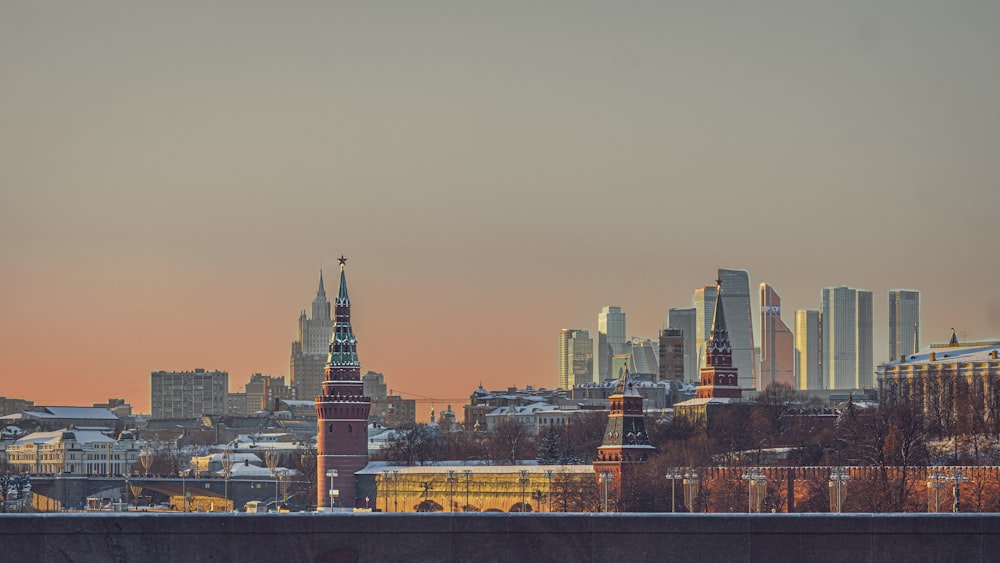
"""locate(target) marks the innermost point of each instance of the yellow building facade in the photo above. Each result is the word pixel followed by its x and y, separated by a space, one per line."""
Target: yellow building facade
pixel 481 488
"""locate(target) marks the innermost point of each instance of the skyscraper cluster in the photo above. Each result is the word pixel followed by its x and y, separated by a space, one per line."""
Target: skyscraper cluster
pixel 829 347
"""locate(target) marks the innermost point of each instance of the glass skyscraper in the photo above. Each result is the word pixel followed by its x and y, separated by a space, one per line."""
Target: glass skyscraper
pixel 904 323
pixel 576 358
pixel 739 319
pixel 610 338
pixel 848 361
pixel 704 307
pixel 777 353
pixel 808 349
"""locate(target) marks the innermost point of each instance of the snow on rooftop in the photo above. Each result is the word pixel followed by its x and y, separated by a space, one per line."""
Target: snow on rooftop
pixel 949 355
pixel 443 467
pixel 55 436
pixel 95 413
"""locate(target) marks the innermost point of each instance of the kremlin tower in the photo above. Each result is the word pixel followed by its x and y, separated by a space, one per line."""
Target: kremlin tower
pixel 625 442
pixel 341 410
pixel 719 379
pixel 720 383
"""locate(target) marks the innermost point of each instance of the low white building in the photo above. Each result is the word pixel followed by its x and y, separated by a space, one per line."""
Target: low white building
pixel 74 451
pixel 535 417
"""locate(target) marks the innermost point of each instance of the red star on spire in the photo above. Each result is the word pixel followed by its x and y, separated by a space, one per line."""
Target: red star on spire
pixel 342 260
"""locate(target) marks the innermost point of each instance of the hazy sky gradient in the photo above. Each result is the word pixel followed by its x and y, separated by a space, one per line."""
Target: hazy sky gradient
pixel 173 175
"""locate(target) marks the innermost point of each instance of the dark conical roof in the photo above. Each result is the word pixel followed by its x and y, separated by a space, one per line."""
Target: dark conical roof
pixel 342 295
pixel 954 339
pixel 720 334
pixel 321 292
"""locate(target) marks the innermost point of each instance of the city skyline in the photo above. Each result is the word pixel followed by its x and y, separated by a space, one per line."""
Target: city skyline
pixel 170 174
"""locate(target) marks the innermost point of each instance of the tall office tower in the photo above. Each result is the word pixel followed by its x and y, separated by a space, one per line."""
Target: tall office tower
pixel 847 338
pixel 777 348
pixel 704 307
pixel 643 357
pixel 188 394
pixel 308 360
pixel 610 339
pixel 685 320
pixel 808 349
pixel 736 295
pixel 341 411
pixel 671 351
pixel 904 323
pixel 576 358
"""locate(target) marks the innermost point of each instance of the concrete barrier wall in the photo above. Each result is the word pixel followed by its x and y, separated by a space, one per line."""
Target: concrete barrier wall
pixel 614 538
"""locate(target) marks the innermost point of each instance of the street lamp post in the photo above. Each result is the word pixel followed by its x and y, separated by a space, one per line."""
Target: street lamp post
pixel 957 476
pixel 839 476
pixel 126 492
pixel 755 479
pixel 523 480
pixel 386 479
pixel 690 488
pixel 146 459
pixel 468 476
pixel 673 475
pixel 183 491
pixel 934 482
pixel 334 493
pixel 395 490
pixel 227 468
pixel 548 491
pixel 271 460
pixel 606 479
pixel 452 479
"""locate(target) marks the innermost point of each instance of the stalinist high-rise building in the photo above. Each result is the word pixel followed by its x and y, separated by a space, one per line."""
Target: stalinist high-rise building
pixel 308 360
pixel 341 411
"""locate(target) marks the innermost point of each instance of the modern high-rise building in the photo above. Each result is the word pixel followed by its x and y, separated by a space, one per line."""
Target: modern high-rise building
pixel 610 339
pixel 777 347
pixel 685 320
pixel 848 361
pixel 188 394
pixel 342 411
pixel 671 351
pixel 704 306
pixel 739 317
pixel 643 357
pixel 904 323
pixel 808 349
pixel 308 360
pixel 576 358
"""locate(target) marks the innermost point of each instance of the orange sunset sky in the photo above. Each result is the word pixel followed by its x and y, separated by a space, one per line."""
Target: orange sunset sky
pixel 174 175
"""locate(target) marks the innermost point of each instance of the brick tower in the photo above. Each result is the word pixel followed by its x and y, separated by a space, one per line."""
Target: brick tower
pixel 719 379
pixel 341 410
pixel 625 443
